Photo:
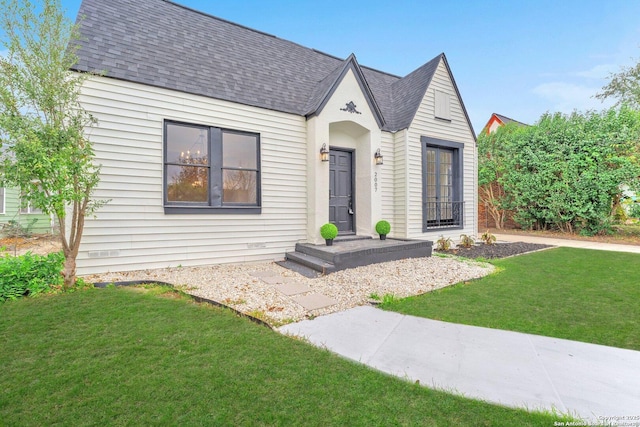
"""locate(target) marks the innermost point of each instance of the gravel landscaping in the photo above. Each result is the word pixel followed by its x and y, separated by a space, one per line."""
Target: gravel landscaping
pixel 269 292
pixel 255 289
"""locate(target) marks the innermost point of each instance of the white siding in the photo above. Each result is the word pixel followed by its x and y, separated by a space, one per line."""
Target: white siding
pixel 400 184
pixel 457 129
pixel 132 231
pixel 386 180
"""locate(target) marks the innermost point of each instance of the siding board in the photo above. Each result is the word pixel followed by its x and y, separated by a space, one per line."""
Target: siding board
pixel 132 232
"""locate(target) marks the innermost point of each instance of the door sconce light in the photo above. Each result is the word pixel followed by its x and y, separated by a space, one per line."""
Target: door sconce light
pixel 378 157
pixel 324 153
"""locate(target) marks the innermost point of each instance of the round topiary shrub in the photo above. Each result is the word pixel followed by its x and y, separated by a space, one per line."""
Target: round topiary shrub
pixel 329 231
pixel 383 227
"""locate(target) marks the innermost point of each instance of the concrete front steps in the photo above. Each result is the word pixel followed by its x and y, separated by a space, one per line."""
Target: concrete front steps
pixel 354 251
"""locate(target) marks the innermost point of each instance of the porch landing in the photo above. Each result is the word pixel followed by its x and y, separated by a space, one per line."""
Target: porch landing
pixel 349 252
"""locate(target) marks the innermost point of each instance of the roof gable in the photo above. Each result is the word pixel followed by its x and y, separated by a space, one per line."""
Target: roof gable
pixel 501 120
pixel 164 44
pixel 328 86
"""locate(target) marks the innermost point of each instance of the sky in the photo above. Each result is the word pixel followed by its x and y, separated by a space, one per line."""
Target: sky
pixel 518 58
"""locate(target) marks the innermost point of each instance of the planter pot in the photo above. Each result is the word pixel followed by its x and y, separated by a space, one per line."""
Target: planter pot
pixel 383 237
pixel 329 242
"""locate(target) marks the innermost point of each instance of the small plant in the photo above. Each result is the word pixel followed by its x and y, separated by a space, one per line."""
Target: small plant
pixel 443 244
pixel 383 228
pixel 29 274
pixel 374 296
pixel 389 299
pixel 488 238
pixel 329 232
pixel 466 241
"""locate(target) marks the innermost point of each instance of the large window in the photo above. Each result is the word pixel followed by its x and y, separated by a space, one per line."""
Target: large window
pixel 211 170
pixel 442 201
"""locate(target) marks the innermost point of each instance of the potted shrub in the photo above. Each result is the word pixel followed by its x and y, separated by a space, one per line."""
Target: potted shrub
pixel 329 232
pixel 382 228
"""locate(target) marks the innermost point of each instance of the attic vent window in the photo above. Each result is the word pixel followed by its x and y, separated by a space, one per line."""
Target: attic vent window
pixel 350 108
pixel 443 106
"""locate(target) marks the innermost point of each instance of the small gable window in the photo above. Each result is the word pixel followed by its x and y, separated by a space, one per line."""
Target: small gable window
pixel 210 170
pixel 443 105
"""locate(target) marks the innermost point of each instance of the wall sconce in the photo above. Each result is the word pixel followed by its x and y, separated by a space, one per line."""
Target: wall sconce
pixel 378 157
pixel 324 153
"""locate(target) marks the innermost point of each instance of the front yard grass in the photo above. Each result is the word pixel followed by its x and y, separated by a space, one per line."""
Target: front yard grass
pixel 120 357
pixel 577 294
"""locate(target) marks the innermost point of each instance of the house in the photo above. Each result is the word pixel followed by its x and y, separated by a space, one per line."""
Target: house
pixel 223 144
pixel 12 211
pixel 496 120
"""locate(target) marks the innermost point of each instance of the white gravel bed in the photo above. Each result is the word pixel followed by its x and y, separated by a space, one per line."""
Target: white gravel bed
pixel 240 287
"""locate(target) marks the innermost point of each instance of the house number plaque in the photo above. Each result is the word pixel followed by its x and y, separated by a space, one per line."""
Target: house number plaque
pixel 375 182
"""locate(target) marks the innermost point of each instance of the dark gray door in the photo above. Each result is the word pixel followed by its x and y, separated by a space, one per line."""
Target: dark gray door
pixel 341 209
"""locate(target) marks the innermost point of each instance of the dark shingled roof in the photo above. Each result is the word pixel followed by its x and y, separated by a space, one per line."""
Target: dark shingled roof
pixel 164 44
pixel 506 120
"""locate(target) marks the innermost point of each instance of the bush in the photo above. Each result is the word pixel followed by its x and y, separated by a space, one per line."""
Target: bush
pixel 29 274
pixel 634 212
pixel 383 227
pixel 566 172
pixel 329 231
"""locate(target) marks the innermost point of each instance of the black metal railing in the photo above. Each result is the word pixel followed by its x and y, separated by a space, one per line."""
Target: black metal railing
pixel 443 214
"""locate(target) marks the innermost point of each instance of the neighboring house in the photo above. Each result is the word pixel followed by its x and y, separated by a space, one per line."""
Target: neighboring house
pixel 11 212
pixel 212 139
pixel 497 120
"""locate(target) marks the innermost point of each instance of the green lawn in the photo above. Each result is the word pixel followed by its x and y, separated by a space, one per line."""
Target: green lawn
pixel 127 357
pixel 578 294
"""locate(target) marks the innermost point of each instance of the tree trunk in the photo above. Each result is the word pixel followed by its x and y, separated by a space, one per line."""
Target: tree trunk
pixel 488 195
pixel 69 273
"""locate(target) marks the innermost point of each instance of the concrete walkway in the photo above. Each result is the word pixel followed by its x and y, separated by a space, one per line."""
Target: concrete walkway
pixel 509 368
pixel 584 244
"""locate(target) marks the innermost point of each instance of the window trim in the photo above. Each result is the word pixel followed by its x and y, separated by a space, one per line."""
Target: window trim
pixel 28 209
pixel 458 178
pixel 215 165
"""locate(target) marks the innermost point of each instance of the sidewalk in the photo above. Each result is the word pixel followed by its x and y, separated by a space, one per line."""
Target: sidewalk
pixel 584 244
pixel 510 368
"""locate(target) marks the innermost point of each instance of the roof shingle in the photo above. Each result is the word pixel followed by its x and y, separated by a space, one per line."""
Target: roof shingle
pixel 164 44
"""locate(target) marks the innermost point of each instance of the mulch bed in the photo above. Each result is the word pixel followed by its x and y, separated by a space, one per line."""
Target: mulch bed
pixel 498 250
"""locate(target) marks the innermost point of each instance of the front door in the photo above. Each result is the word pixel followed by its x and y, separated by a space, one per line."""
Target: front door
pixel 341 207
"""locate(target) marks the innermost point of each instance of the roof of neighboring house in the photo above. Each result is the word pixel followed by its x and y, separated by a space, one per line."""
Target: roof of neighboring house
pixel 507 120
pixel 504 120
pixel 164 44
